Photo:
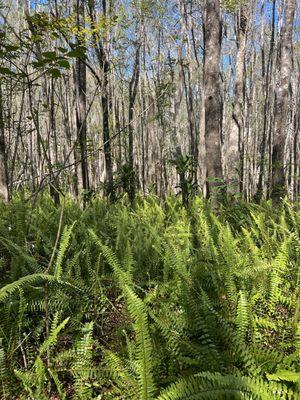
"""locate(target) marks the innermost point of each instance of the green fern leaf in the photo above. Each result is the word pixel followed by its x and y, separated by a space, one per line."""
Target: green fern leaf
pixel 63 246
pixel 144 347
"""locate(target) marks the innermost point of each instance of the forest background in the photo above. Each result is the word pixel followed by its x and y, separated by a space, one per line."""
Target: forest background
pixel 119 95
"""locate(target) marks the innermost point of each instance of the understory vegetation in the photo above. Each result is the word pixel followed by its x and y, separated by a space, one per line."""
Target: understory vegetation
pixel 158 301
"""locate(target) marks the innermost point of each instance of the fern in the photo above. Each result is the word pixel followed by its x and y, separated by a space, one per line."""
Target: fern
pixel 33 279
pixel 82 363
pixel 215 386
pixel 3 372
pixel 242 318
pixel 159 302
pixel 278 269
pixel 122 373
pixel 123 276
pixel 52 339
pixel 143 344
pixel 62 393
pixel 63 246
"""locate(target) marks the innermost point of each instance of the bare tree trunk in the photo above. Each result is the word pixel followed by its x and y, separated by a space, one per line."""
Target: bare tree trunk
pixel 3 157
pixel 186 73
pixel 104 64
pixel 53 148
pixel 213 104
pixel 54 183
pixel 282 109
pixel 267 72
pixel 80 83
pixel 133 85
pixel 235 156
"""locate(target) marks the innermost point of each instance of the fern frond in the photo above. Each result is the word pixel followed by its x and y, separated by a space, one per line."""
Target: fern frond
pixel 25 280
pixel 14 248
pixel 3 372
pixel 242 317
pixel 111 258
pixel 63 246
pixel 83 362
pixel 27 380
pixel 62 393
pixel 143 344
pixel 278 269
pixel 122 374
pixel 52 339
pixel 208 386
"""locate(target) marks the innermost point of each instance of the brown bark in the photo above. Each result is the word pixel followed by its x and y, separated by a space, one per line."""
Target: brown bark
pixel 213 104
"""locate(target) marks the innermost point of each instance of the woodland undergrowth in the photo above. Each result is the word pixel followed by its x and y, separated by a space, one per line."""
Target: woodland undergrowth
pixel 158 301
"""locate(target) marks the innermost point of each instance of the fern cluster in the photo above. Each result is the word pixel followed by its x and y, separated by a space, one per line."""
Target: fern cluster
pixel 157 302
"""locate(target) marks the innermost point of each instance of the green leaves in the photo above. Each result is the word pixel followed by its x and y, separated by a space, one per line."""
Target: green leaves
pixel 50 55
pixel 52 339
pixel 214 386
pixel 285 375
pixel 63 246
pixel 82 364
pixel 78 52
pixel 33 279
pixel 7 71
pixel 64 63
pixel 230 5
pixel 242 318
pixel 40 63
pixel 56 62
pixel 144 356
pixel 173 302
pixel 53 62
pixel 54 72
pixel 11 47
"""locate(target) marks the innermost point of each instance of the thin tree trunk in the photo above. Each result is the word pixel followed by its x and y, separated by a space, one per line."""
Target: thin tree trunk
pixel 53 148
pixel 282 109
pixel 104 64
pixel 133 85
pixel 53 180
pixel 80 82
pixel 3 156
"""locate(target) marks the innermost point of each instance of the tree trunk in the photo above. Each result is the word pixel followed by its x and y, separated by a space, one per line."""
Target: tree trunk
pixel 213 105
pixel 80 83
pixel 3 157
pixel 133 85
pixel 234 160
pixel 54 182
pixel 282 109
pixel 267 72
pixel 104 64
